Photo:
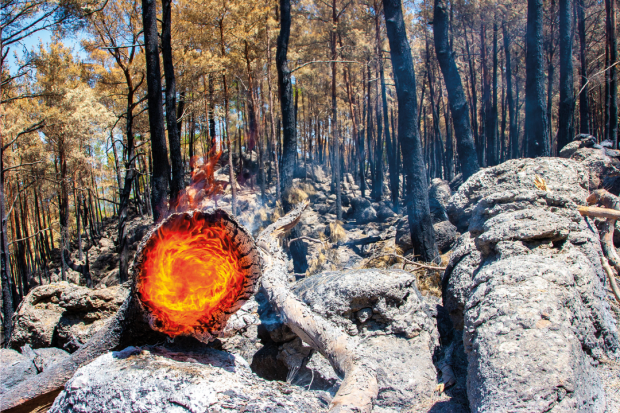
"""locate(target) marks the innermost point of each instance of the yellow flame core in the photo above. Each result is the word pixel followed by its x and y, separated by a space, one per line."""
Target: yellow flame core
pixel 191 270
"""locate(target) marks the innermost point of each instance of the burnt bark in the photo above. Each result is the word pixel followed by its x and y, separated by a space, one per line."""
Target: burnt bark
pixel 584 104
pixel 565 111
pixel 465 146
pixel 421 227
pixel 5 261
pixel 174 140
pixel 493 150
pixel 512 128
pixel 286 103
pixel 612 46
pixel 536 122
pixel 159 151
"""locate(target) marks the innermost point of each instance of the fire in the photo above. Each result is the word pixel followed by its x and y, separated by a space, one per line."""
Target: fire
pixel 204 186
pixel 191 272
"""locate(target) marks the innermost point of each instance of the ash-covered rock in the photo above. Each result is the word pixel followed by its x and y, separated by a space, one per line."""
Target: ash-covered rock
pixel 526 286
pixel 160 380
pixel 563 177
pixel 394 323
pixel 16 367
pixel 63 315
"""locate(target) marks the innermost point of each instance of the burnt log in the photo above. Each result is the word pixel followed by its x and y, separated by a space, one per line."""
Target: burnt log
pixel 206 241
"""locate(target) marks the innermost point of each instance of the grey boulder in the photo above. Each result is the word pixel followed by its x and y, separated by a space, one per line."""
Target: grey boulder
pixel 64 315
pixel 153 380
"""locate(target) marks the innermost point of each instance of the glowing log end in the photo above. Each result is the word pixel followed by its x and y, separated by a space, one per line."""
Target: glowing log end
pixel 193 271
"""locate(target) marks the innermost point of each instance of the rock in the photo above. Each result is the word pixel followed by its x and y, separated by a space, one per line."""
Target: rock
pixel 445 235
pixel 526 286
pixel 318 174
pixel 16 367
pixel 563 177
pixel 384 212
pixel 367 215
pixel 161 380
pixel 63 315
pixel 440 190
pixel 403 235
pixel 569 149
pixel 386 312
pixel 47 357
pixel 598 163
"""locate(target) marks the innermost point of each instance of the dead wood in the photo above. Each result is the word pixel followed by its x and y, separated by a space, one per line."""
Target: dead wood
pixel 611 203
pixel 133 324
pixel 359 388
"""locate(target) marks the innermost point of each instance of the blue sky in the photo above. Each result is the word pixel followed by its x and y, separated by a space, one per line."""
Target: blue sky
pixel 45 37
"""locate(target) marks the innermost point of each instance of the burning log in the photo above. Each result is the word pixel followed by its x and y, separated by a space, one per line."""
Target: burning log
pixel 191 273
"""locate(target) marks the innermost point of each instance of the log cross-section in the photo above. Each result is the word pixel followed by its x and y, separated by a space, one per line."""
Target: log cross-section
pixel 136 323
pixel 193 271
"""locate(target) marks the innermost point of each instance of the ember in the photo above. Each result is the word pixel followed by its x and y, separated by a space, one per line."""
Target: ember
pixel 193 274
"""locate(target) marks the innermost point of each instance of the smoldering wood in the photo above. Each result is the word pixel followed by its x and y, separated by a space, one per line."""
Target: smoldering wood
pixel 132 325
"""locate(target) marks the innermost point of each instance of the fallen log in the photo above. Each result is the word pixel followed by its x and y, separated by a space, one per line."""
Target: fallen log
pixel 359 388
pixel 191 273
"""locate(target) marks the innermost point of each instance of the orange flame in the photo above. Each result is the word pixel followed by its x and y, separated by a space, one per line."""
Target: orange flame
pixel 190 272
pixel 203 186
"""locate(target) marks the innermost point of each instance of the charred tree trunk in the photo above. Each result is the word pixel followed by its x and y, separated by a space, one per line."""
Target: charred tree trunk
pixel 584 105
pixel 612 46
pixel 485 109
pixel 272 122
pixel 130 173
pixel 491 128
pixel 286 103
pixel 174 140
pixel 565 112
pixel 536 122
pixel 137 321
pixel 231 171
pixel 360 138
pixel 512 113
pixel 161 167
pixel 421 226
pixel 335 128
pixel 5 261
pixel 459 108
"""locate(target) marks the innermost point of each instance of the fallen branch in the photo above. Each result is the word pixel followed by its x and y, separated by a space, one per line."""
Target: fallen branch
pixel 612 203
pixel 359 387
pixel 418 264
pixel 364 241
pixel 597 212
pixel 318 241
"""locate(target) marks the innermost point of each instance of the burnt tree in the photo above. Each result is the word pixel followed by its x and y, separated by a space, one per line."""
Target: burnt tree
pixel 565 111
pixel 159 151
pixel 459 108
pixel 536 122
pixel 420 224
pixel 286 103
